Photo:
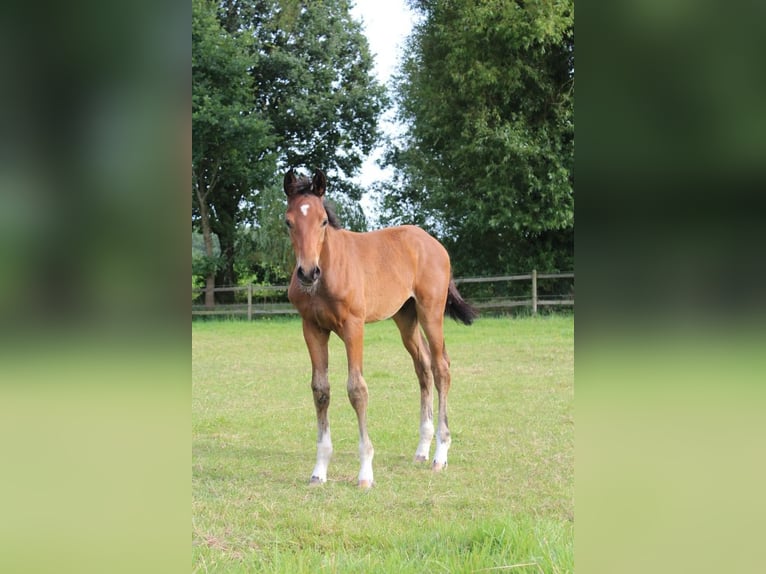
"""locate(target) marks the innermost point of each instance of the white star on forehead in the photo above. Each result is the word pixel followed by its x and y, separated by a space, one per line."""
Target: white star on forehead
pixel 305 208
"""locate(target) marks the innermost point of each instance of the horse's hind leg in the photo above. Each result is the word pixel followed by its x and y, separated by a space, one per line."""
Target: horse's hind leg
pixel 433 325
pixel 407 321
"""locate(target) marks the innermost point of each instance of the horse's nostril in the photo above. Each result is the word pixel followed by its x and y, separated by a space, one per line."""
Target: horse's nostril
pixel 310 277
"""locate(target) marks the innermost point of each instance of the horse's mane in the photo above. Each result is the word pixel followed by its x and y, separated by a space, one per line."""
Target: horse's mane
pixel 332 217
pixel 303 186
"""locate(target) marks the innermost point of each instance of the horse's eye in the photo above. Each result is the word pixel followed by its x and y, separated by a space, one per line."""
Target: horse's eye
pixel 324 223
pixel 288 224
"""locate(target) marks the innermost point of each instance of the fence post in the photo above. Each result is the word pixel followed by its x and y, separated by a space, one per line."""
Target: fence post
pixel 249 301
pixel 534 291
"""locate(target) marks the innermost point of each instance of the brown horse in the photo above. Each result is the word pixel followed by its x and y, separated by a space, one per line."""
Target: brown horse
pixel 343 280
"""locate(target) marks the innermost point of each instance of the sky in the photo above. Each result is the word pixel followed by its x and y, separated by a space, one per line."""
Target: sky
pixel 386 25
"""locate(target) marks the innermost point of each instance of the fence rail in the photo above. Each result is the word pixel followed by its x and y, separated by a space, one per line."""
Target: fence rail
pixel 261 299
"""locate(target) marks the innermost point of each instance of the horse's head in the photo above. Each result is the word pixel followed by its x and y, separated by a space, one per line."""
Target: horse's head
pixel 307 221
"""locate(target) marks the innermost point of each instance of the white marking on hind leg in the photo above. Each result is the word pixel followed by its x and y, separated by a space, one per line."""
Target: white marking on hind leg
pixel 440 456
pixel 426 436
pixel 366 452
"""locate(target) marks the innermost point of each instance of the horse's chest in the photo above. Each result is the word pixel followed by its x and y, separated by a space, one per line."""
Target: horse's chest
pixel 329 305
pixel 327 313
pixel 324 315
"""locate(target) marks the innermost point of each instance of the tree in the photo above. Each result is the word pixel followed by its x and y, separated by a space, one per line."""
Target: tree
pixel 231 141
pixel 310 84
pixel 314 80
pixel 487 92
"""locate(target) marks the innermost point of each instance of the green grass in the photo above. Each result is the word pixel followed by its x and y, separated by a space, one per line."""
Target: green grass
pixel 505 503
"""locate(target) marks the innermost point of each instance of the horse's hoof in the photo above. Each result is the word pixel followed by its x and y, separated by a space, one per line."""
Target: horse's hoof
pixel 365 484
pixel 420 458
pixel 316 481
pixel 439 466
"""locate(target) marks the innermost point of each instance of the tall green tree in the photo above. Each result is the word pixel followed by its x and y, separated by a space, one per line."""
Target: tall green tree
pixel 232 143
pixel 310 81
pixel 314 80
pixel 487 93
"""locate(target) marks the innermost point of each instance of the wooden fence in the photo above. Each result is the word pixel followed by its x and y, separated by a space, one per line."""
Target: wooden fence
pixel 272 300
pixel 532 299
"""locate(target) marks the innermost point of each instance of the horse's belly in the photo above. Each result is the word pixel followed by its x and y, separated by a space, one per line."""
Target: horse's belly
pixel 385 307
pixel 380 315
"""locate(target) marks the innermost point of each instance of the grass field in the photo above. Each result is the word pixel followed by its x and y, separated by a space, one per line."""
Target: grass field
pixel 505 503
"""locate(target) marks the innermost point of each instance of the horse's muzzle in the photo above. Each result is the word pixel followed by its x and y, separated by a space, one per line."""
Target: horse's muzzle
pixel 307 279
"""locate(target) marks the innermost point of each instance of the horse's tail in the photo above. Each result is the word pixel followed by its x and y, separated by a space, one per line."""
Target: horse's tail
pixel 457 308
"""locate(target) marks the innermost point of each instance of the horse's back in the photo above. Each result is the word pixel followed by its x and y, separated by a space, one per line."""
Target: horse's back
pixel 404 247
pixel 399 263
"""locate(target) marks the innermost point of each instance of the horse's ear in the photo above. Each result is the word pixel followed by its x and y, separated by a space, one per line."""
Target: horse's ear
pixel 319 183
pixel 290 180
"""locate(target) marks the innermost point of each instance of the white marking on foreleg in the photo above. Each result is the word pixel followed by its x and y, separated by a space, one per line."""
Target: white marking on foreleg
pixel 324 454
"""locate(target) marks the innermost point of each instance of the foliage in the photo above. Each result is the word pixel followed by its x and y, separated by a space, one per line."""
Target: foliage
pixel 232 141
pixel 505 500
pixel 202 263
pixel 264 251
pixel 313 78
pixel 277 84
pixel 486 163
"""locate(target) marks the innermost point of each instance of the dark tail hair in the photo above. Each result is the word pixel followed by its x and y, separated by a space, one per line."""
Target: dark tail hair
pixel 457 308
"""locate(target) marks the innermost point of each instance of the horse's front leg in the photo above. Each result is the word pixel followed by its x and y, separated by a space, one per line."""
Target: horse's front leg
pixel 353 337
pixel 316 341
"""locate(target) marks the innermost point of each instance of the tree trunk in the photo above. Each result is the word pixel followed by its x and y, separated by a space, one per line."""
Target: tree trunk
pixel 226 274
pixel 224 225
pixel 209 293
pixel 208 238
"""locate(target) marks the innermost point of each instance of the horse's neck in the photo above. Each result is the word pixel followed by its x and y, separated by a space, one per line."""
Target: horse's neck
pixel 335 249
